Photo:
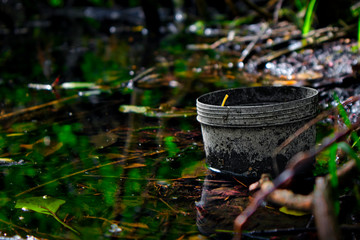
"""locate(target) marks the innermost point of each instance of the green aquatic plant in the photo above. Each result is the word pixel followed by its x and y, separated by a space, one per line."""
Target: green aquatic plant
pixel 308 17
pixel 43 205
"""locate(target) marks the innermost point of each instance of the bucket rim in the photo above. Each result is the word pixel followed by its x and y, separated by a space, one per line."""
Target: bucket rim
pixel 310 98
pixel 210 110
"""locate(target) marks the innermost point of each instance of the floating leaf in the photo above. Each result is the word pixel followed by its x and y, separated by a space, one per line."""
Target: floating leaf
pixel 155 112
pixel 133 109
pixel 44 205
pixel 292 212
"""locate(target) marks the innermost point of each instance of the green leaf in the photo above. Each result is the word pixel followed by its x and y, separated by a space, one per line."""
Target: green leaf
pixel 292 212
pixel 156 112
pixel 44 204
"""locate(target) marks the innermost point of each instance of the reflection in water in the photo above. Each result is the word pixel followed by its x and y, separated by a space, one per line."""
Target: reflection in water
pixel 223 198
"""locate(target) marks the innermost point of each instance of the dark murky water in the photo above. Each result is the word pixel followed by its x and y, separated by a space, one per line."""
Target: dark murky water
pixel 109 173
pixel 120 156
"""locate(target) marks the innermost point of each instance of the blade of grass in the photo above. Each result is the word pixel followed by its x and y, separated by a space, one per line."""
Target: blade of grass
pixel 308 17
pixel 358 34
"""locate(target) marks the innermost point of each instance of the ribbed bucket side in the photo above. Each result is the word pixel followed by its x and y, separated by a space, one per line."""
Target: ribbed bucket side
pixel 259 106
pixel 240 137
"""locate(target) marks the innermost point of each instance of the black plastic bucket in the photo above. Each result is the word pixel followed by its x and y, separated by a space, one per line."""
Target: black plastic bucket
pixel 241 136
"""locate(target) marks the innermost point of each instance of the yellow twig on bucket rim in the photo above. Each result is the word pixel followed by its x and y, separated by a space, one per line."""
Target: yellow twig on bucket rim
pixel 224 100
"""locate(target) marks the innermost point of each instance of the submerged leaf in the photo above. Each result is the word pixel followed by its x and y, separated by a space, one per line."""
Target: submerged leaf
pixel 45 205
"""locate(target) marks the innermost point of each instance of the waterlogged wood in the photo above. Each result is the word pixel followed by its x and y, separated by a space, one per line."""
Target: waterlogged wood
pixel 289 199
pixel 325 217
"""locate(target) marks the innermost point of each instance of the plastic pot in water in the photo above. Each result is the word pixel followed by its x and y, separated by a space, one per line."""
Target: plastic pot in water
pixel 241 136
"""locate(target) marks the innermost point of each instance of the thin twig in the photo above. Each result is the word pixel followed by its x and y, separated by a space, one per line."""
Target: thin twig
pixel 276 11
pixel 37 107
pixel 251 45
pixel 171 208
pixel 88 169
